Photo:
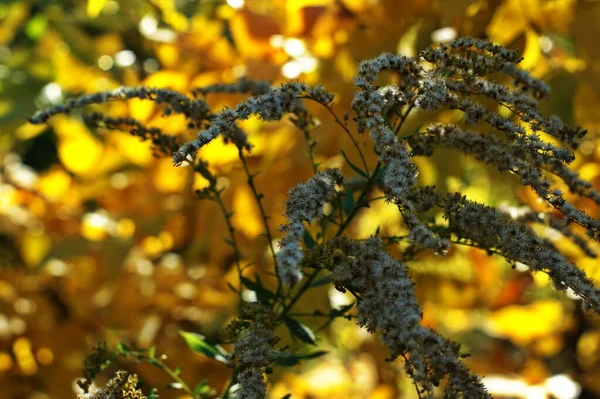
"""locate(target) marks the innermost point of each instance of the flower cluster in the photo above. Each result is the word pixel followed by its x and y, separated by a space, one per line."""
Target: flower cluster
pixel 557 225
pixel 387 304
pixel 122 386
pixel 370 105
pixel 488 228
pixel 100 357
pixel 252 350
pixel 506 157
pixel 196 111
pixel 163 144
pixel 471 57
pixel 270 106
pixel 304 204
pixel 242 86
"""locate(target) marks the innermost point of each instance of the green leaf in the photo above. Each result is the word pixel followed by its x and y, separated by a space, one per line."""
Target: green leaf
pixel 356 168
pixel 348 203
pixel 152 352
pixel 291 359
pixel 123 349
pixel 300 331
pixel 202 389
pixel 308 240
pixel 197 344
pixel 321 281
pixel 380 173
pixel 36 26
pixel 341 311
pixel 262 294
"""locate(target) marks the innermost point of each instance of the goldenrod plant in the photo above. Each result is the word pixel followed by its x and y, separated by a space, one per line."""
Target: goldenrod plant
pixel 316 246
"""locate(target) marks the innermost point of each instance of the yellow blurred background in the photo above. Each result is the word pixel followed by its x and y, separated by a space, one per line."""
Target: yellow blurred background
pixel 99 240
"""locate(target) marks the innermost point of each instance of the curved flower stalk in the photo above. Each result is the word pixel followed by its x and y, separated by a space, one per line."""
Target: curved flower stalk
pixel 506 157
pixel 370 105
pixel 387 305
pixel 485 226
pixel 270 106
pixel 195 110
pixel 556 224
pixel 242 86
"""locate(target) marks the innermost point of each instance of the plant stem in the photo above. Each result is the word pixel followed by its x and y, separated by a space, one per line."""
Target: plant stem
pixel 343 125
pixel 403 118
pixel 298 294
pixel 265 218
pixel 231 382
pixel 219 200
pixel 156 362
pixel 359 201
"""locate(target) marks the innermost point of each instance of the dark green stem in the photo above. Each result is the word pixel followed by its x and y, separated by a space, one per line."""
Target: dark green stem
pixel 263 214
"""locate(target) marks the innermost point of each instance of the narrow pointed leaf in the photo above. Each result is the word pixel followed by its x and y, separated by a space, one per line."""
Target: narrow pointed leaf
pixel 262 294
pixel 348 203
pixel 292 359
pixel 198 344
pixel 321 281
pixel 356 168
pixel 308 240
pixel 300 331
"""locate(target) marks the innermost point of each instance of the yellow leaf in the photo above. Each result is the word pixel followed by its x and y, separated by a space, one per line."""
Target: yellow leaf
pixel 141 110
pixel 171 16
pixel 135 150
pixel 34 247
pixel 427 171
pixel 245 212
pixel 295 21
pixel 199 182
pixel 54 184
pixel 217 153
pixel 508 22
pixel 168 55
pixel 28 131
pixel 78 150
pixel 13 17
pixel 533 61
pixel 535 321
pixel 173 80
pixel 94 7
pixel 251 33
pixel 167 178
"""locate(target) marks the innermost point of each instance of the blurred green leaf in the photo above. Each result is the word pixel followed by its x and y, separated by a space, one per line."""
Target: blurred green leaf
pixel 308 240
pixel 291 359
pixel 300 331
pixel 36 27
pixel 197 343
pixel 262 293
